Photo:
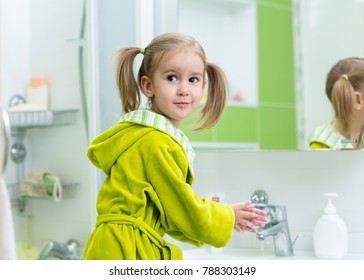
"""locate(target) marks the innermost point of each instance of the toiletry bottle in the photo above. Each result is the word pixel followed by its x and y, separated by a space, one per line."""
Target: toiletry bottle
pixel 330 235
pixel 216 197
pixel 37 93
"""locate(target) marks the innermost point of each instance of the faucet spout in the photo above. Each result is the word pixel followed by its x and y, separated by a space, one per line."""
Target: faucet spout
pixel 69 251
pixel 278 229
pixel 269 229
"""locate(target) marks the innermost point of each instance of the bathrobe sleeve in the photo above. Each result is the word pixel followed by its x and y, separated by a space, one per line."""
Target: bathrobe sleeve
pixel 185 216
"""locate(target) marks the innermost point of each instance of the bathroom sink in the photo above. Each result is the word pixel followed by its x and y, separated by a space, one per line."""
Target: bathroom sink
pixel 249 253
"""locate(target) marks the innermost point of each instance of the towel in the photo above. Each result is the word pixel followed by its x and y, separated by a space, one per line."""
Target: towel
pixel 7 236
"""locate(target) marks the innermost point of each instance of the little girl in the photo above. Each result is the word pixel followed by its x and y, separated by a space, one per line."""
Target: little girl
pixel 148 160
pixel 345 90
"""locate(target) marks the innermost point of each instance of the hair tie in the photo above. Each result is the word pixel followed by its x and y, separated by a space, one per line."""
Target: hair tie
pixel 345 77
pixel 142 51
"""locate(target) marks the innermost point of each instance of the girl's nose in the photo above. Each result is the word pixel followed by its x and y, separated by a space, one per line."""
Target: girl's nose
pixel 182 89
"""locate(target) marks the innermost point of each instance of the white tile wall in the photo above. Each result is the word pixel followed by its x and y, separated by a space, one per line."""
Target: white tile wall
pixel 291 178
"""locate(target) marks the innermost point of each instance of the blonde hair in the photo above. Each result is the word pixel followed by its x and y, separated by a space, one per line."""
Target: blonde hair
pixel 345 77
pixel 129 87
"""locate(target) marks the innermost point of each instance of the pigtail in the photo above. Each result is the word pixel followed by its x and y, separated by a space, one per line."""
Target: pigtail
pixel 125 79
pixel 216 97
pixel 341 99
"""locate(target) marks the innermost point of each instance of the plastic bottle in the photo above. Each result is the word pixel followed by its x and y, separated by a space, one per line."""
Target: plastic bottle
pixel 330 236
pixel 37 93
pixel 217 197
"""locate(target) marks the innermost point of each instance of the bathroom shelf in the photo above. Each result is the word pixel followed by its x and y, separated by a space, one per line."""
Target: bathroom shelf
pixel 68 191
pixel 33 119
pixel 20 121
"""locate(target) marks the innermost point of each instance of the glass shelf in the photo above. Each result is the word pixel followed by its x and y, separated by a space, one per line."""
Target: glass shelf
pixel 19 122
pixel 69 191
pixel 29 119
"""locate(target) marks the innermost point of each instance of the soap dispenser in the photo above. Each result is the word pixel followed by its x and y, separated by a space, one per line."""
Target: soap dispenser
pixel 330 235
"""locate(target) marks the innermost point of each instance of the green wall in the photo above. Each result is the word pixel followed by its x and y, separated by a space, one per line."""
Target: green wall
pixel 272 124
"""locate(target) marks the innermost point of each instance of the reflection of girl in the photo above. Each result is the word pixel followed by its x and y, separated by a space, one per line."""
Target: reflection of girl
pixel 345 90
pixel 148 160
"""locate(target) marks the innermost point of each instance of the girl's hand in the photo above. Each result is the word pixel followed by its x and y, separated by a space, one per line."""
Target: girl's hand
pixel 247 217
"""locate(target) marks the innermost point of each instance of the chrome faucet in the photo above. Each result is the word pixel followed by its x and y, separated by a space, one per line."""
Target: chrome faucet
pixel 277 227
pixel 69 251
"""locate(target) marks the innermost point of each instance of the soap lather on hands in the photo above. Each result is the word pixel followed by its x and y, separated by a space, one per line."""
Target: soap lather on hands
pixel 247 217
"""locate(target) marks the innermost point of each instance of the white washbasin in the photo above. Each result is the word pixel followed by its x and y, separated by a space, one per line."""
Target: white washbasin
pixel 249 253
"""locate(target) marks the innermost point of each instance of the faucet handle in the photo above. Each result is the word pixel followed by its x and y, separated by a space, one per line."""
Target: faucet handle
pixel 277 213
pixel 281 213
pixel 259 197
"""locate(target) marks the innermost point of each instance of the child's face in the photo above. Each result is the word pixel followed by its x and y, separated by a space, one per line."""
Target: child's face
pixel 176 86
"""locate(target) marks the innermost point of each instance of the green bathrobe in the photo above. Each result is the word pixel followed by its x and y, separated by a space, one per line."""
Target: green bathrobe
pixel 147 193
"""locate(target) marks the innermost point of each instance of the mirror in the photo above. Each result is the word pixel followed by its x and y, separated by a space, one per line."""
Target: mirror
pixel 330 30
pixel 275 53
pixel 276 57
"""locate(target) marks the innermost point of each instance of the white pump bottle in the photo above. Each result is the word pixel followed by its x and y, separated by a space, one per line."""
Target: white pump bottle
pixel 330 236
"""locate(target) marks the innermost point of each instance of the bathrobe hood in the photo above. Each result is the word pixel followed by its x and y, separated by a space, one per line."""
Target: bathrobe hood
pixel 110 145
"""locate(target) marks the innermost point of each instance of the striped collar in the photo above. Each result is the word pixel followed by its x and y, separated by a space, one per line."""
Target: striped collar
pixel 328 135
pixel 151 119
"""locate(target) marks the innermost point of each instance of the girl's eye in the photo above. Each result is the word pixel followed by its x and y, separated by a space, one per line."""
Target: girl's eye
pixel 194 80
pixel 172 78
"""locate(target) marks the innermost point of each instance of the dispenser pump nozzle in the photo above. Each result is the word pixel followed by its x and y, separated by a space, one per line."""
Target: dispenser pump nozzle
pixel 330 208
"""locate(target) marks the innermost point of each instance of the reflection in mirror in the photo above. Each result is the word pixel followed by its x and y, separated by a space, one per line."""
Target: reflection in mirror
pixel 344 89
pixel 323 41
pixel 277 57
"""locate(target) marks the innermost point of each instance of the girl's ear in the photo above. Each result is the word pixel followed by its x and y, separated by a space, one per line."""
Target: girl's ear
pixel 358 100
pixel 146 85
